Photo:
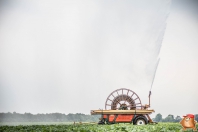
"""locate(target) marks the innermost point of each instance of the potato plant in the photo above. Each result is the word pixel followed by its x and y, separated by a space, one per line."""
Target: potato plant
pixel 161 127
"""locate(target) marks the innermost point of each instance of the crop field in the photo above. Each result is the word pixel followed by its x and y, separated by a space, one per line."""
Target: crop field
pixel 161 127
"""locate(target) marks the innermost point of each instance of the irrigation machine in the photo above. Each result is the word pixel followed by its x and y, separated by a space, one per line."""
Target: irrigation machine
pixel 124 106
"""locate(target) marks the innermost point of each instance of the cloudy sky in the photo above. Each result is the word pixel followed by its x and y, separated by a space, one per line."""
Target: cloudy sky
pixel 68 56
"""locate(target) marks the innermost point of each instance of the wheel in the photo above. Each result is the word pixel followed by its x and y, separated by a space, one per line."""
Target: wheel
pixel 123 99
pixel 101 122
pixel 109 123
pixel 140 120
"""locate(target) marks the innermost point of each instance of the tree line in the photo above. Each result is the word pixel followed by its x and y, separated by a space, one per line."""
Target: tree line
pixel 170 118
pixel 51 117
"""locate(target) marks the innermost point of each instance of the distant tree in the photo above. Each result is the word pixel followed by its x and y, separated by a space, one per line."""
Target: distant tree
pixel 71 117
pixel 196 117
pixel 178 119
pixel 169 118
pixel 28 117
pixel 52 117
pixel 158 117
pixel 172 116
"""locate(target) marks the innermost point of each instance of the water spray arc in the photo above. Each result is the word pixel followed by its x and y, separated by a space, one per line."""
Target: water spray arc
pixel 153 81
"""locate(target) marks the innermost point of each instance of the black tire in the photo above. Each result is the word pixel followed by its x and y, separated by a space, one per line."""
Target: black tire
pixel 109 123
pixel 101 122
pixel 140 120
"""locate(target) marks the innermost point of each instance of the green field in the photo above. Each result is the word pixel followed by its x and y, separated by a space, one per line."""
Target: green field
pixel 33 123
pixel 161 127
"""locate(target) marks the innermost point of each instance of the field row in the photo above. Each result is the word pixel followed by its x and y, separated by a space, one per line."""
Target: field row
pixel 161 127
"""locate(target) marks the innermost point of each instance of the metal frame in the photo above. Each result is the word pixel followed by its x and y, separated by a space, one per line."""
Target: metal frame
pixel 130 97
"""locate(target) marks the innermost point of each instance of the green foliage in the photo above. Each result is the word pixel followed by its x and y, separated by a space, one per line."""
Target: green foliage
pixel 52 117
pixel 178 119
pixel 196 117
pixel 158 118
pixel 161 127
pixel 169 118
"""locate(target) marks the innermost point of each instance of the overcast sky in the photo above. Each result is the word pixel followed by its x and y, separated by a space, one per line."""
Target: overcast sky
pixel 68 56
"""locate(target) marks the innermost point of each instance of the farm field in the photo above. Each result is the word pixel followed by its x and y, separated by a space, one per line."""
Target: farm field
pixel 161 127
pixel 33 123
